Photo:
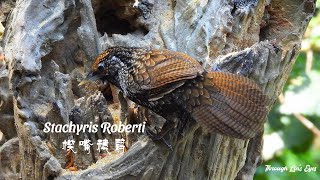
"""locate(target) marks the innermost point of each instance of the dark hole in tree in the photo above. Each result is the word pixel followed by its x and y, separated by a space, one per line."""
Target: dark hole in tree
pixel 117 17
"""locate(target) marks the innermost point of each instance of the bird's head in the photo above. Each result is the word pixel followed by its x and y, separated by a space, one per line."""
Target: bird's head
pixel 112 65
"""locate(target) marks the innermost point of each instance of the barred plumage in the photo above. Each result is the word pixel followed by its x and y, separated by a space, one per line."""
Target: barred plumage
pixel 172 83
pixel 237 107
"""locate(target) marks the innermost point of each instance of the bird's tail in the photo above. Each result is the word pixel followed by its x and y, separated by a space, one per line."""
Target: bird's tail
pixel 231 104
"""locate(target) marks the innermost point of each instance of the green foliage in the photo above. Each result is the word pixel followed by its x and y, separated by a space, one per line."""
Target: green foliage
pixel 291 159
pixel 302 95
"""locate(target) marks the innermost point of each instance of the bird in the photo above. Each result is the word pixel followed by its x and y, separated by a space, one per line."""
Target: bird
pixel 173 84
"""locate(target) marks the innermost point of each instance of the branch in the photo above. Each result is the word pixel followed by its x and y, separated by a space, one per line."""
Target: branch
pixel 306 122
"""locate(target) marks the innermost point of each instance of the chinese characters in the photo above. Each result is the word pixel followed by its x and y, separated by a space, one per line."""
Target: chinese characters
pixel 102 145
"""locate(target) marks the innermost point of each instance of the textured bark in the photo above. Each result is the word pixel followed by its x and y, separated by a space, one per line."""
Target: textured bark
pixel 49 45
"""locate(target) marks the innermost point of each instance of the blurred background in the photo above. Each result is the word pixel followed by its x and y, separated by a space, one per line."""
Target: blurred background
pixel 292 134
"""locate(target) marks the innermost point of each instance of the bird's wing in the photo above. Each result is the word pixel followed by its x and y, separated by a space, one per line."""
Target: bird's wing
pixel 228 104
pixel 161 71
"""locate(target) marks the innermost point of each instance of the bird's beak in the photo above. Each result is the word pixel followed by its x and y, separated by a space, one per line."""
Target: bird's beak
pixel 92 76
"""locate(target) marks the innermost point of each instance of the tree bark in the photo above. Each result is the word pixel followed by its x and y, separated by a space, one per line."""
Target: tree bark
pixel 50 45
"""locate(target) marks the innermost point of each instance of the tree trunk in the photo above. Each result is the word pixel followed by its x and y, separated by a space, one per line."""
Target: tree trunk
pixel 50 45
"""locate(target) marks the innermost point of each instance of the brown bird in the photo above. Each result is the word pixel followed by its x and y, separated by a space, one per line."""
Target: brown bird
pixel 172 84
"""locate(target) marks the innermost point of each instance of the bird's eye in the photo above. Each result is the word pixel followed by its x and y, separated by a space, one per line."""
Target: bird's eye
pixel 101 67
